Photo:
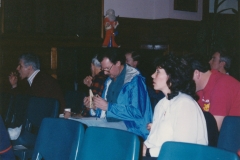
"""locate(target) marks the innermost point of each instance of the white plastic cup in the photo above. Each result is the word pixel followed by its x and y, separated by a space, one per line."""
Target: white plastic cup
pixel 67 109
pixel 67 113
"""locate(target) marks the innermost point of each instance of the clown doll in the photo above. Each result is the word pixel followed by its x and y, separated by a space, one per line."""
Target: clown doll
pixel 110 24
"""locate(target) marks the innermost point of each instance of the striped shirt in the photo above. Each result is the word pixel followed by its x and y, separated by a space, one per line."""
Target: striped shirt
pixel 30 79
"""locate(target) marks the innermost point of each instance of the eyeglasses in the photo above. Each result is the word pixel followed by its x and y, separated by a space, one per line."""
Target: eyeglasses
pixel 107 70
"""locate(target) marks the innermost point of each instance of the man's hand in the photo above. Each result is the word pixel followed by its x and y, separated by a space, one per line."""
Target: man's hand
pixel 86 101
pixel 88 81
pixel 100 103
pixel 13 79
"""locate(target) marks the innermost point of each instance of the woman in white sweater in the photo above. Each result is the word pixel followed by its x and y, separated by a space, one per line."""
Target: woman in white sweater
pixel 177 117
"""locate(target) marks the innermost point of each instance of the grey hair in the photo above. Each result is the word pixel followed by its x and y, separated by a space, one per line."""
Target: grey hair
pixel 111 14
pixel 227 61
pixel 95 62
pixel 30 59
pixel 224 57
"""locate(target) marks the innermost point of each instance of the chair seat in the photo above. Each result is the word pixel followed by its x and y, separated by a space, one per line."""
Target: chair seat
pixel 189 151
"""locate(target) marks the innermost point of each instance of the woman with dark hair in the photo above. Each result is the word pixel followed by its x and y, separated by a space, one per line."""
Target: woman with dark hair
pixel 177 117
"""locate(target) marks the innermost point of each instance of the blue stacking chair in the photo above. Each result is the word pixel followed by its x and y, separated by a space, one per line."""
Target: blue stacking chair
pixel 58 139
pixel 189 151
pixel 16 111
pixel 38 109
pixel 109 144
pixel 229 137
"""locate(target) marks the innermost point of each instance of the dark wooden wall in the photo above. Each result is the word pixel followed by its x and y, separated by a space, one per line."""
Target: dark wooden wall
pixel 74 53
pixel 38 31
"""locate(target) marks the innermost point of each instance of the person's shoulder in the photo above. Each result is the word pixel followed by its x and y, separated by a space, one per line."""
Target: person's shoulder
pixel 41 76
pixel 185 102
pixel 225 79
pixel 131 74
pixel 183 98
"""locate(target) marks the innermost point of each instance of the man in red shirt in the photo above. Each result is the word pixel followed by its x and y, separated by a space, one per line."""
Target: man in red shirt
pixel 218 93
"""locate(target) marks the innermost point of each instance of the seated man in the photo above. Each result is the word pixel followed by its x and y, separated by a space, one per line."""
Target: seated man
pixel 125 96
pixel 39 84
pixel 220 61
pixel 218 93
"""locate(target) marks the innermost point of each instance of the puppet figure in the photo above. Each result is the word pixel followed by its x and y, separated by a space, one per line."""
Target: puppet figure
pixel 110 24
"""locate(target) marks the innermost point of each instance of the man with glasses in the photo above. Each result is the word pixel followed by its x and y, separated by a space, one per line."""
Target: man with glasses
pixel 125 96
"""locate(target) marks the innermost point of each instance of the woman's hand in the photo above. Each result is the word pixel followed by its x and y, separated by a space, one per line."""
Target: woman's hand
pixel 88 81
pixel 144 150
pixel 149 126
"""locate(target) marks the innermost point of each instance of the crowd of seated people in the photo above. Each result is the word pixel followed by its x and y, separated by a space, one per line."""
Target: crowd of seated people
pixel 187 84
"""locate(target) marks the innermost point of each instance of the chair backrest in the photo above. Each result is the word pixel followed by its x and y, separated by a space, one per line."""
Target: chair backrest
pixel 74 100
pixel 109 144
pixel 58 139
pixel 5 100
pixel 38 109
pixel 212 129
pixel 6 151
pixel 229 137
pixel 189 151
pixel 16 111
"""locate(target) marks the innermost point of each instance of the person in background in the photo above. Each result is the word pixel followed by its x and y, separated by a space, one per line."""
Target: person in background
pixel 125 96
pixel 220 61
pixel 177 117
pixel 218 93
pixel 133 58
pixel 95 82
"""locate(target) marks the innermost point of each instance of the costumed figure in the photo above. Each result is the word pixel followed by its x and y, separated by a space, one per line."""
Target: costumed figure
pixel 110 24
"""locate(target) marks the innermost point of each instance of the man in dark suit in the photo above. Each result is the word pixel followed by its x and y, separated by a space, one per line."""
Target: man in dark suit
pixel 40 84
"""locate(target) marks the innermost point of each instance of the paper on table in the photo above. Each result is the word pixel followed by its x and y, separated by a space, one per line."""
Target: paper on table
pixel 19 147
pixel 90 98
